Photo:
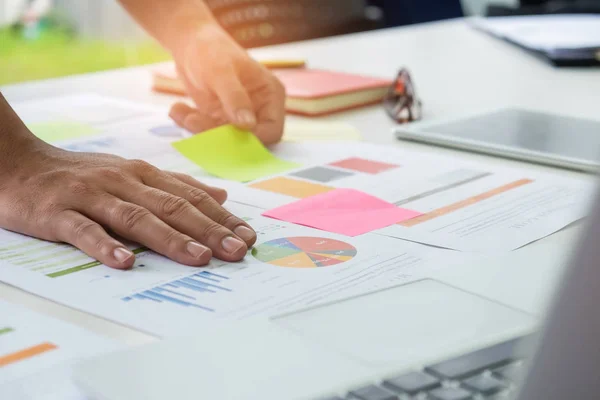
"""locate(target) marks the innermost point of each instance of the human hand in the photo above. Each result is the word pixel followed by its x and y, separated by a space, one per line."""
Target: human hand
pixel 76 198
pixel 227 86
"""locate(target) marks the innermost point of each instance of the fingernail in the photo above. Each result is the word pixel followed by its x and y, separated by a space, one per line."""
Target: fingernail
pixel 196 250
pixel 121 254
pixel 232 245
pixel 246 118
pixel 245 233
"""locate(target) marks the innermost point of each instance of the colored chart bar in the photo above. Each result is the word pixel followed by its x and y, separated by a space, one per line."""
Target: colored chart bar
pixel 164 290
pixel 464 203
pixel 74 269
pixel 26 353
pixel 86 266
pixel 196 288
pixel 291 187
pixel 362 165
pixel 206 273
pixel 6 330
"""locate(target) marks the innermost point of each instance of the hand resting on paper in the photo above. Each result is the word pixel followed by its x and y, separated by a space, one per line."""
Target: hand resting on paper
pixel 78 198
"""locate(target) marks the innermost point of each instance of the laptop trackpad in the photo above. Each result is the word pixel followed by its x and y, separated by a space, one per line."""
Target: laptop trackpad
pixel 408 324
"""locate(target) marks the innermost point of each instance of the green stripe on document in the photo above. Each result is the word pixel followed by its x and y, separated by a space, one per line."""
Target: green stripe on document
pixel 5 330
pixel 87 266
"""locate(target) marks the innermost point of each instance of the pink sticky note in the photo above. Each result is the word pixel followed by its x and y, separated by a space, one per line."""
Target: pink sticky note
pixel 346 211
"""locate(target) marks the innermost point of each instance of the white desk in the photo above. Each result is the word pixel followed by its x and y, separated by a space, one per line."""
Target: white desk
pixel 456 70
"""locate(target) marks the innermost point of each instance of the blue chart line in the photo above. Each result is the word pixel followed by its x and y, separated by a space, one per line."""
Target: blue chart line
pixel 178 292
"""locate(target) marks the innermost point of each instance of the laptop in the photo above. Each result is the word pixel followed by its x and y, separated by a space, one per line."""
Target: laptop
pixel 426 340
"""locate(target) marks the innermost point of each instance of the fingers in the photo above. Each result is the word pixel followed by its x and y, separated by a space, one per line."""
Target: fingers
pixel 137 223
pixel 239 91
pixel 271 113
pixel 198 198
pixel 153 206
pixel 78 230
pixel 233 96
pixel 219 78
pixel 220 195
pixel 192 120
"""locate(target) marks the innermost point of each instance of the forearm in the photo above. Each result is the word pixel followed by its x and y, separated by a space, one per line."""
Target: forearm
pixel 168 20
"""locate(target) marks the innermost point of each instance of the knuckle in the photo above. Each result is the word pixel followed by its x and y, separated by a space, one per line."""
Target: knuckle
pixel 104 243
pixel 173 241
pixel 50 209
pixel 78 187
pixel 132 216
pixel 113 174
pixel 211 230
pixel 227 219
pixel 171 206
pixel 199 198
pixel 81 229
pixel 142 167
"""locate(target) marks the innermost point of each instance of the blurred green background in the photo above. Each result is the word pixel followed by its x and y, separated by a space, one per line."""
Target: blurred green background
pixel 48 38
pixel 57 54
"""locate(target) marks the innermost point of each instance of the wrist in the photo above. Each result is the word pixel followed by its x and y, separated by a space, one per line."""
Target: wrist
pixel 21 149
pixel 184 26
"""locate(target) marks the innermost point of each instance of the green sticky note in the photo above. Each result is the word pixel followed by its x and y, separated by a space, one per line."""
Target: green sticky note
pixel 56 131
pixel 232 153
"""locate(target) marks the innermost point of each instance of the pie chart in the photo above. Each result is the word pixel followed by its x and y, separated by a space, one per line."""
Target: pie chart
pixel 304 252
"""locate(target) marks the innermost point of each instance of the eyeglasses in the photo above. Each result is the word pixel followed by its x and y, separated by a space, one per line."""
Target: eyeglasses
pixel 401 102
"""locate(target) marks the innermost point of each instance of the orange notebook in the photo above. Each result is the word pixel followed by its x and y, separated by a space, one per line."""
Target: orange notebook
pixel 309 91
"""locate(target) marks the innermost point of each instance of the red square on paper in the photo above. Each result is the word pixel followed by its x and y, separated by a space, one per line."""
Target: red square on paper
pixel 362 165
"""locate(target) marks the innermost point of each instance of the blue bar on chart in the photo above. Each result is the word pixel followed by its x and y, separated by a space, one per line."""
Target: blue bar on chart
pixel 178 292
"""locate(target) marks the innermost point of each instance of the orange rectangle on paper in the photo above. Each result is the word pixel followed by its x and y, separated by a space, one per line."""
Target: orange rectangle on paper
pixel 464 203
pixel 26 353
pixel 291 187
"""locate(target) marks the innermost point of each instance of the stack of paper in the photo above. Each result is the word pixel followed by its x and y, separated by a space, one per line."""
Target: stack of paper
pixel 559 37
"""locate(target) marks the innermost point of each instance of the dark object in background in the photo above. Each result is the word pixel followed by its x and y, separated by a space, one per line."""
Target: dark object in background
pixel 256 23
pixel 532 7
pixel 406 12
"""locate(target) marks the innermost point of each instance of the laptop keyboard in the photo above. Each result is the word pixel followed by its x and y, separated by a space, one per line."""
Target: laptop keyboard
pixel 486 374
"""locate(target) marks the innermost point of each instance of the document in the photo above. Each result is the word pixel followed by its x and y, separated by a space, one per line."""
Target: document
pixel 36 354
pixel 231 153
pixel 458 205
pixel 289 268
pixel 466 206
pixel 545 32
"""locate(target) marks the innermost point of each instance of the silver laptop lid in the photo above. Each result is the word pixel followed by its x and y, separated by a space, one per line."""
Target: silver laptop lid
pixel 567 362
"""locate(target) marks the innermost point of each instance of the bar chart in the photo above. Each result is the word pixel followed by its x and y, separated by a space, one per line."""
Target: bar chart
pixel 185 292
